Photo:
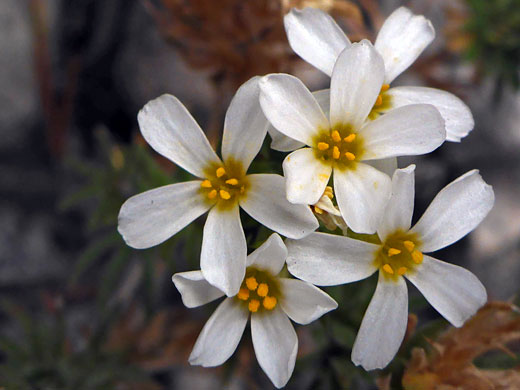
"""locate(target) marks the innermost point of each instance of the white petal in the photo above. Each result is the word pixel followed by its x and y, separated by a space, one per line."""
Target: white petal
pixel 362 195
pixel 221 334
pixel 386 165
pixel 269 256
pixel 453 291
pixel 276 345
pixel 355 84
pixel 194 289
pixel 303 302
pixel 291 108
pixel 152 217
pixel 401 40
pixel 170 129
pixel 245 125
pixel 224 250
pixel 266 202
pixel 315 37
pixel 457 115
pixel 305 176
pixel 384 325
pixel 327 259
pixel 399 209
pixel 406 131
pixel 455 211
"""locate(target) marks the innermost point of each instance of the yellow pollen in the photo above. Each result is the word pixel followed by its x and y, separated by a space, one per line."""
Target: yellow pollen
pixel 329 192
pixel 350 138
pixel 409 245
pixel 350 156
pixel 417 256
pixel 323 146
pixel 243 294
pixel 251 283
pixel 254 304
pixel 317 210
pixel 335 153
pixel 225 195
pixel 385 87
pixel 335 136
pixel 212 194
pixel 221 172
pixel 269 303
pixel 242 189
pixel 393 252
pixel 402 270
pixel 205 184
pixel 263 289
pixel 379 100
pixel 232 182
pixel 388 268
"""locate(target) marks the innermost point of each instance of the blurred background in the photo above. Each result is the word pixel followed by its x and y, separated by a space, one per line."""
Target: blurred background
pixel 81 310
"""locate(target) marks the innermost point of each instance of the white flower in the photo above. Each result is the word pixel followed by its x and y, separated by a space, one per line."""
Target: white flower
pixel 344 139
pixel 152 217
pixel 269 299
pixel 315 37
pixel 325 259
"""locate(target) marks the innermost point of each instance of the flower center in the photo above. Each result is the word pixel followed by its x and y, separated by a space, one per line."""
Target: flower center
pixel 383 103
pixel 339 146
pixel 224 184
pixel 398 255
pixel 260 291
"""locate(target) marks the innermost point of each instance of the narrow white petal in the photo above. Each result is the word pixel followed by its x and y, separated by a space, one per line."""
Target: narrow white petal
pixel 315 37
pixel 384 325
pixel 291 108
pixel 386 165
pixel 245 125
pixel 171 131
pixel 305 176
pixel 303 302
pixel 355 84
pixel 453 291
pixel 152 217
pixel 399 210
pixel 194 289
pixel 224 250
pixel 267 203
pixel 276 344
pixel 221 334
pixel 456 114
pixel 327 259
pixel 401 40
pixel 269 256
pixel 362 195
pixel 406 131
pixel 455 211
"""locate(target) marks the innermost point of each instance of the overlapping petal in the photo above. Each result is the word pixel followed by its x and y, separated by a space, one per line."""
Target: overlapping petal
pixel 194 289
pixel 269 256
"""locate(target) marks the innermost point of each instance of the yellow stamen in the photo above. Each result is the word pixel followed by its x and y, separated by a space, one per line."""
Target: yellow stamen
pixel 242 189
pixel 225 195
pixel 350 156
pixel 388 268
pixel 335 153
pixel 385 87
pixel 323 146
pixel 232 182
pixel 350 138
pixel 417 256
pixel 243 294
pixel 409 245
pixel 329 192
pixel 269 303
pixel 335 136
pixel 254 304
pixel 205 184
pixel 263 289
pixel 402 270
pixel 212 194
pixel 221 172
pixel 379 100
pixel 393 252
pixel 317 210
pixel 251 283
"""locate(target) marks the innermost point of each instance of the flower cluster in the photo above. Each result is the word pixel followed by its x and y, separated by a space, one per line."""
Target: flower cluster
pixel 350 134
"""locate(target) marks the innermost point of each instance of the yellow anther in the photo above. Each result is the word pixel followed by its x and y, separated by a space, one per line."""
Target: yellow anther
pixel 350 156
pixel 350 138
pixel 317 210
pixel 323 146
pixel 329 192
pixel 379 100
pixel 232 182
pixel 212 194
pixel 206 184
pixel 335 136
pixel 402 270
pixel 409 245
pixel 417 256
pixel 335 153
pixel 263 290
pixel 393 252
pixel 224 194
pixel 388 269
pixel 220 172
pixel 243 294
pixel 254 304
pixel 242 189
pixel 385 87
pixel 269 303
pixel 251 283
